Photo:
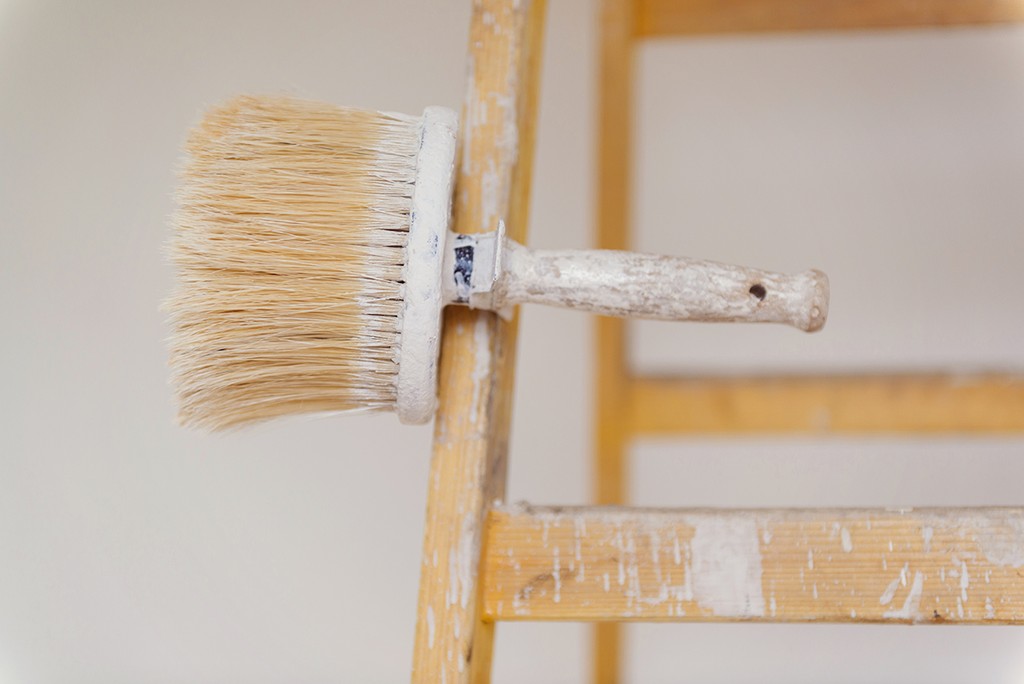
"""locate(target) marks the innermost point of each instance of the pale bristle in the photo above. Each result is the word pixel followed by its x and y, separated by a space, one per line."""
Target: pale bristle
pixel 290 242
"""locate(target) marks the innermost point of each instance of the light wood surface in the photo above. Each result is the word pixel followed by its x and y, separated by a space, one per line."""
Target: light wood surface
pixel 453 643
pixel 614 138
pixel 938 566
pixel 628 406
pixel 696 17
pixel 954 565
pixel 876 404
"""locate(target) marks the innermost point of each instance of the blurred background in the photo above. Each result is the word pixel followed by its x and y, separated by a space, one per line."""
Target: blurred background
pixel 134 551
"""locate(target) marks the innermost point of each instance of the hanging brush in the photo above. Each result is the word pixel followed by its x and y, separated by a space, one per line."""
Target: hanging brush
pixel 314 258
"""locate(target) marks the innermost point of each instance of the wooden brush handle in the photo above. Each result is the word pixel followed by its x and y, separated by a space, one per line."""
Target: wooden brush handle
pixel 627 284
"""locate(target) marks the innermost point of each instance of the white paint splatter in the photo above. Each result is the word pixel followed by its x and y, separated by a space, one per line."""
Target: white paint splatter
pixel 890 592
pixel 910 611
pixel 687 590
pixel 451 596
pixel 654 540
pixel 847 542
pixel 670 288
pixel 490 195
pixel 622 552
pixel 726 565
pixel 556 572
pixel 926 535
pixel 1002 544
pixel 430 627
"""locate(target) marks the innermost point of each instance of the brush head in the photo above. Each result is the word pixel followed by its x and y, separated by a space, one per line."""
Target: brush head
pixel 290 245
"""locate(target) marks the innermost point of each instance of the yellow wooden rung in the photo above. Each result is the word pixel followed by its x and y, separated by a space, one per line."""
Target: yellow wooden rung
pixel 875 404
pixel 945 565
pixel 696 17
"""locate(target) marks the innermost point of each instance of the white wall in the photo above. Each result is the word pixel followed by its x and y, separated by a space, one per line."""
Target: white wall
pixel 133 551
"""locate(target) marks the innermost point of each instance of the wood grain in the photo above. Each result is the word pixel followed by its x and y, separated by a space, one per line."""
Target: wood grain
pixel 869 404
pixel 453 642
pixel 938 566
pixel 628 407
pixel 614 163
pixel 701 17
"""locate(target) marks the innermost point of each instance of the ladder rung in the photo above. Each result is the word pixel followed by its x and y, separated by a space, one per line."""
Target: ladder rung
pixel 689 17
pixel 905 403
pixel 592 564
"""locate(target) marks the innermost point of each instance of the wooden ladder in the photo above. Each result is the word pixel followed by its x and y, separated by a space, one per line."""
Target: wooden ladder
pixel 485 561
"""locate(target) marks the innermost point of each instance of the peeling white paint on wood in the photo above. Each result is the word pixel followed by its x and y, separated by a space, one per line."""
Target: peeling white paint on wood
pixel 726 565
pixel 717 565
pixel 847 542
pixel 613 283
pixel 910 609
pixel 890 591
pixel 468 465
pixel 999 547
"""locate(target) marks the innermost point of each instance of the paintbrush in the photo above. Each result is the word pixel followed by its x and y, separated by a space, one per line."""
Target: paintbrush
pixel 314 257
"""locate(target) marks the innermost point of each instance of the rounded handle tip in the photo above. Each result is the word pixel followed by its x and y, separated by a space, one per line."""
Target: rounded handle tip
pixel 818 300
